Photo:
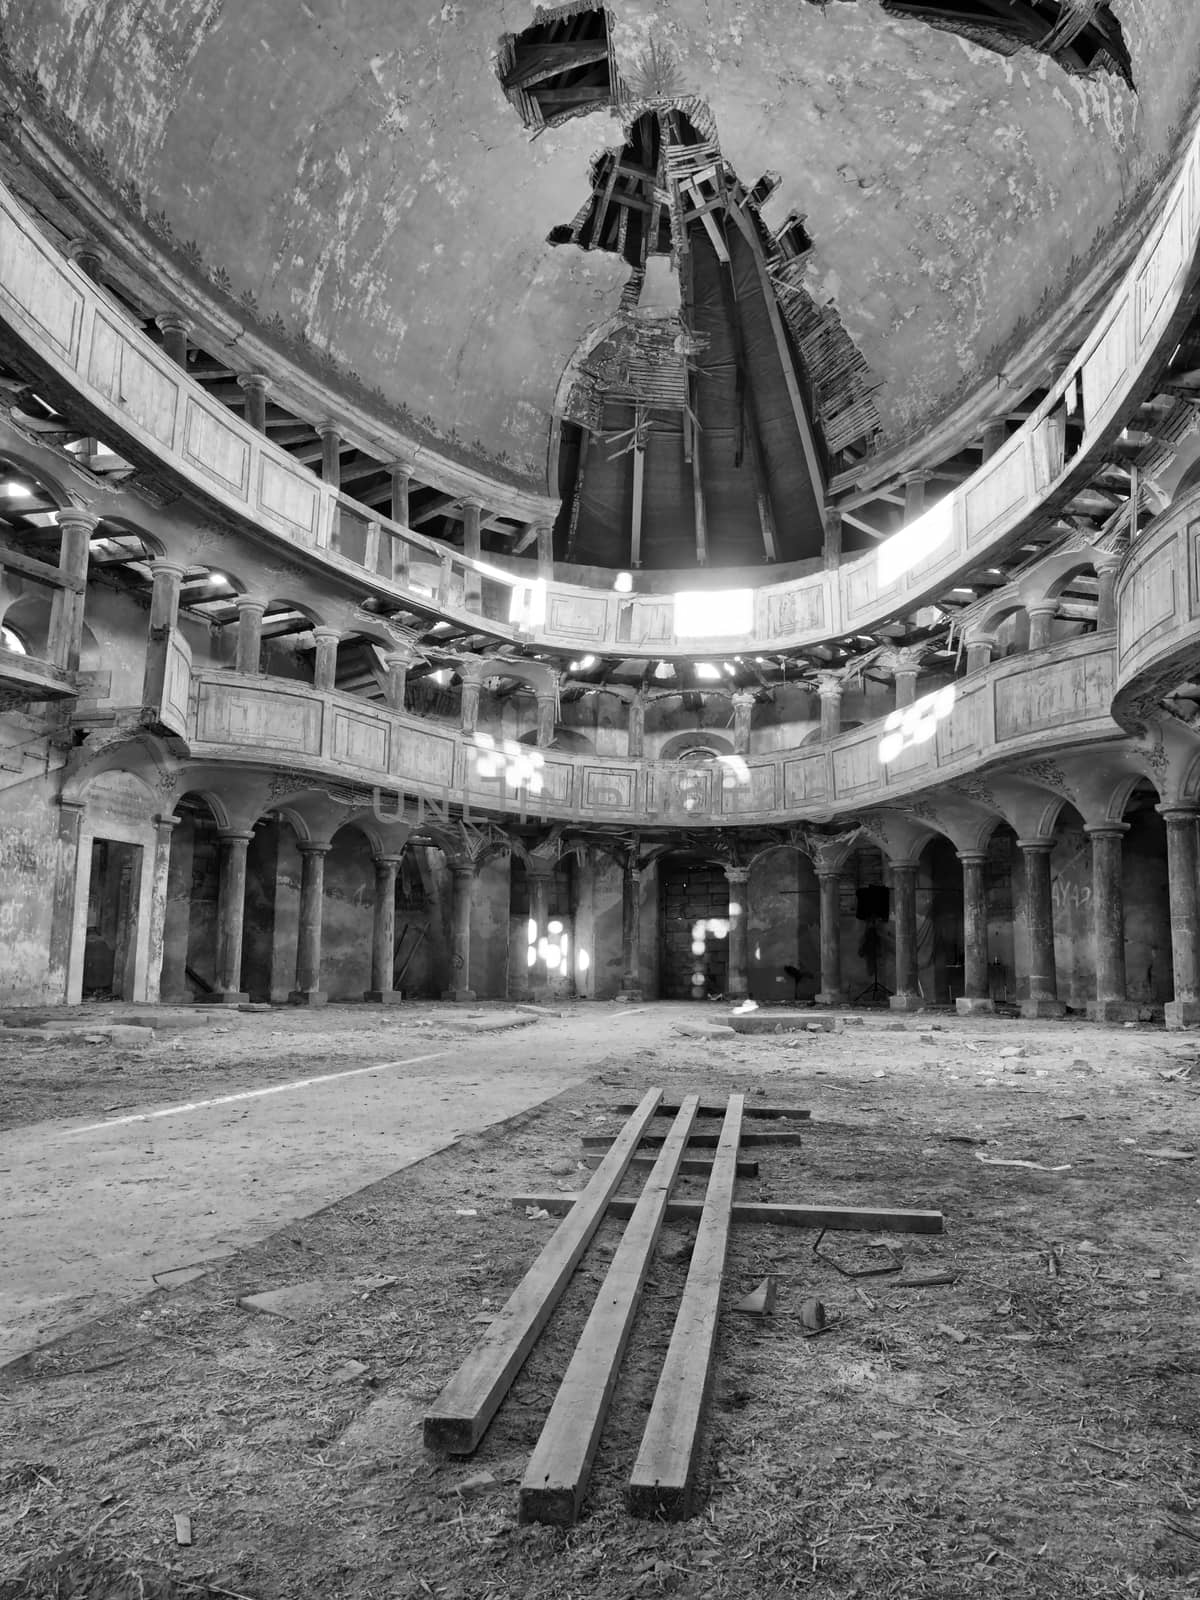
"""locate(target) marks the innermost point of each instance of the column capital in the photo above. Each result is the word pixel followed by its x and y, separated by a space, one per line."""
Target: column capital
pixel 1109 561
pixel 1105 830
pixel 1036 846
pixel 463 869
pixel 737 874
pixel 89 255
pixel 1178 813
pixel 1042 608
pixel 314 847
pixel 830 685
pixel 163 819
pixel 73 517
pixel 387 861
pixel 77 806
pixel 253 381
pixel 902 866
pixel 327 427
pixel 324 630
pixel 172 322
pixel 972 858
pixel 235 835
pixel 744 697
pixel 167 567
pixel 400 469
pixel 243 602
pixel 824 870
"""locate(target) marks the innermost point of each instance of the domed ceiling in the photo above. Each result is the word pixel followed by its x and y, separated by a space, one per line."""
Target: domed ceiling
pixel 354 175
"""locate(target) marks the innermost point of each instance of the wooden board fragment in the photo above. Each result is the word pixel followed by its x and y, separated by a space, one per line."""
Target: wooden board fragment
pixel 558 1472
pixel 879 1219
pixel 716 1108
pixel 459 1416
pixel 690 1166
pixel 664 1474
pixel 699 1141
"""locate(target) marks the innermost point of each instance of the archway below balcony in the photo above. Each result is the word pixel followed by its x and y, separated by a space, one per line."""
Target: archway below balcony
pixel 189 963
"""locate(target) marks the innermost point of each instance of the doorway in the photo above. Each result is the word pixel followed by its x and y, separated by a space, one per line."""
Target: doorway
pixel 110 944
pixel 695 929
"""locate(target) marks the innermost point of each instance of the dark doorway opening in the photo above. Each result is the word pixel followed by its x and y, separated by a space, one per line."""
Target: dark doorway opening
pixel 695 929
pixel 110 947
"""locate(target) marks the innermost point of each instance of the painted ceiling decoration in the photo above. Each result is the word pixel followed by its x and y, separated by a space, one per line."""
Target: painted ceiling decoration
pixel 1081 35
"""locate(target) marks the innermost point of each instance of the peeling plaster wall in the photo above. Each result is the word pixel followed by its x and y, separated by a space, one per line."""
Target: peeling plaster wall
pixel 356 172
pixel 29 867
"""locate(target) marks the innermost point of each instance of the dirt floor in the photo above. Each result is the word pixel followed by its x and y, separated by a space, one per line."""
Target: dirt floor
pixel 1029 1429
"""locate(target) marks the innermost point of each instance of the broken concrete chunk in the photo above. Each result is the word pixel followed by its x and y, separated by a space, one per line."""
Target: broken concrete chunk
pixel 760 1302
pixel 294 1302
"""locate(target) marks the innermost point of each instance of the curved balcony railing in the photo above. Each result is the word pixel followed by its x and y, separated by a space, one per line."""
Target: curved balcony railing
pixel 1158 612
pixel 1053 698
pixel 71 329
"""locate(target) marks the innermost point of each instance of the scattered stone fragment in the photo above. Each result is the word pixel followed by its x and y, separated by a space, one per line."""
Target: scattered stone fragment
pixel 478 1483
pixel 294 1302
pixel 948 1332
pixel 812 1315
pixel 704 1030
pixel 183 1528
pixel 348 1371
pixel 1169 1155
pixel 760 1302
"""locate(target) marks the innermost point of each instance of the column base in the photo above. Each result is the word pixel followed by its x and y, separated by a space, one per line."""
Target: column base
pixel 629 997
pixel 830 997
pixel 1181 1013
pixel 308 997
pixel 224 997
pixel 906 1002
pixel 1112 1011
pixel 459 996
pixel 383 997
pixel 1043 1008
pixel 971 1005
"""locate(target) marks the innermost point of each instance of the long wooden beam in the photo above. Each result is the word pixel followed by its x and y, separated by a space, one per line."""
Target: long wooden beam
pixel 745 389
pixel 664 1474
pixel 691 1167
pixel 698 1141
pixel 459 1416
pixel 716 1108
pixel 639 489
pixel 872 1218
pixel 556 1479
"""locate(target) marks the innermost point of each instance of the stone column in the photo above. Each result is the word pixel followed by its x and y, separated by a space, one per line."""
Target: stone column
pixel 830 690
pixel 637 726
pixel 66 609
pixel 1041 620
pixel 976 998
pixel 737 985
pixel 472 583
pixel 91 258
pixel 231 910
pixel 62 899
pixel 1184 1009
pixel 631 933
pixel 383 934
pixel 308 991
pixel 547 709
pixel 325 657
pixel 994 437
pixel 1042 999
pixel 1108 925
pixel 166 580
pixel 401 476
pixel 331 456
pixel 979 654
pixel 829 883
pixel 255 385
pixel 164 827
pixel 470 704
pixel 539 878
pixel 743 710
pixel 906 675
pixel 914 494
pixel 904 930
pixel 460 934
pixel 1106 598
pixel 397 663
pixel 544 533
pixel 249 636
pixel 174 330
pixel 831 550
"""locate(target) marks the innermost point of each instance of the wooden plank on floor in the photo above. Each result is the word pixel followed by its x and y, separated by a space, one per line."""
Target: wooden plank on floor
pixel 664 1474
pixel 716 1108
pixel 878 1219
pixel 690 1166
pixel 459 1416
pixel 698 1141
pixel 557 1476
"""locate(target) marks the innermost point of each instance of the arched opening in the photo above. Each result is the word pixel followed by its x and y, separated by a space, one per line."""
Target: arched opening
pixel 269 932
pixel 693 927
pixel 288 647
pixel 783 928
pixel 1001 871
pixel 347 914
pixel 189 966
pixel 940 922
pixel 1149 979
pixel 542 906
pixel 1071 897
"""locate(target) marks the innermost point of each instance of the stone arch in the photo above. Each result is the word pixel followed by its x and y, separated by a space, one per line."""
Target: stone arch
pixel 701 744
pixel 30 467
